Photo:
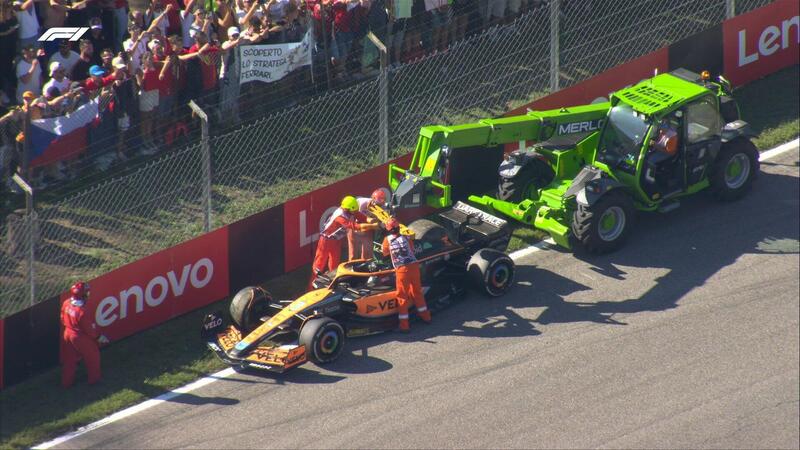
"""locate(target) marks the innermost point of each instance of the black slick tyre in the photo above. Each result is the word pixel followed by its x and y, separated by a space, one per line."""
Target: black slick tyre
pixel 248 306
pixel 324 339
pixel 533 176
pixel 734 169
pixel 491 271
pixel 604 226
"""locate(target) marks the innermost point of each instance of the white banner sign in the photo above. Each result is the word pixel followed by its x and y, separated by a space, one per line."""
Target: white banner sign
pixel 269 63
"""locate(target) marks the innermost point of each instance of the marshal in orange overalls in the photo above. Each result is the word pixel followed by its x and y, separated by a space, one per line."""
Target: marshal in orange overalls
pixel 409 286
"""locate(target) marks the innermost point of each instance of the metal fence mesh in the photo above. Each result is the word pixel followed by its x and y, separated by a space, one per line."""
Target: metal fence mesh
pixel 300 148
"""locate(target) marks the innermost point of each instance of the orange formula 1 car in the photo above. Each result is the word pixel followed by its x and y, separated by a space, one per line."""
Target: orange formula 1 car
pixel 464 248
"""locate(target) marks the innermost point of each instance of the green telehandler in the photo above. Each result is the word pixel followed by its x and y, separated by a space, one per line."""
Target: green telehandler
pixel 591 167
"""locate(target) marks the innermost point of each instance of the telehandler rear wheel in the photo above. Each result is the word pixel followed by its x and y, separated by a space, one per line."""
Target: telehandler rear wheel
pixel 604 226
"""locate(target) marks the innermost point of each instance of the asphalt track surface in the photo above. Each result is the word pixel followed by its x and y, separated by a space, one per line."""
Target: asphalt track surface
pixel 687 337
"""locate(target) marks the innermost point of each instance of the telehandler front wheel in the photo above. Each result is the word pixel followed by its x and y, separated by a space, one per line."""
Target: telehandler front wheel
pixel 734 169
pixel 604 226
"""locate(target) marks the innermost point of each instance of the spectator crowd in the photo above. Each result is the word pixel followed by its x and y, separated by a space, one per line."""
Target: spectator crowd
pixel 142 63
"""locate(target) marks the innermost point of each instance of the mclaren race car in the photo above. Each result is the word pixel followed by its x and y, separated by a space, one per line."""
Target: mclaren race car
pixel 464 247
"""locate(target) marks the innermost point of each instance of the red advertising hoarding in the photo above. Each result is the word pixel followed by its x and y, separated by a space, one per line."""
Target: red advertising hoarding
pixel 161 286
pixel 761 41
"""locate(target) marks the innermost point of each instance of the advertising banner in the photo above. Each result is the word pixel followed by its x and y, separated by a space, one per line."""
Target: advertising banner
pixel 762 41
pixel 161 286
pixel 269 63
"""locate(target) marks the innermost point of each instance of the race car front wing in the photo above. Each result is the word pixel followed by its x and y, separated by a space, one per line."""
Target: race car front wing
pixel 275 358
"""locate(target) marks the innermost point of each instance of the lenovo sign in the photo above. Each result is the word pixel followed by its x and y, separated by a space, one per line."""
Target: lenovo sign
pixel 161 286
pixel 762 41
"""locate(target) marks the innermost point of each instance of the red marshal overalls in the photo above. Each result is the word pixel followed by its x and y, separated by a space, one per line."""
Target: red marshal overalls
pixel 80 342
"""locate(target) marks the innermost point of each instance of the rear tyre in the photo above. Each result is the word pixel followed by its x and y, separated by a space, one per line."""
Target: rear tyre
pixel 734 169
pixel 535 175
pixel 492 271
pixel 324 339
pixel 248 306
pixel 604 226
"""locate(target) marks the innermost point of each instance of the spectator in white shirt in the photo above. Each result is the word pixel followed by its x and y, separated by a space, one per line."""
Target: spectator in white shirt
pixel 65 55
pixel 29 74
pixel 28 23
pixel 58 78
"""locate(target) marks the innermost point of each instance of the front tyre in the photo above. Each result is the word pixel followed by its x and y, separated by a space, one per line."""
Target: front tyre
pixel 492 271
pixel 604 226
pixel 324 339
pixel 248 307
pixel 734 169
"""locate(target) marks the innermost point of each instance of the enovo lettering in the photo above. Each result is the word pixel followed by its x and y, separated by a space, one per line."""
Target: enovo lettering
pixel 113 308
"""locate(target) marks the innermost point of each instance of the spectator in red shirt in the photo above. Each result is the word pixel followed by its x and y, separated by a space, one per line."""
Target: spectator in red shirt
pixel 97 79
pixel 207 55
pixel 343 32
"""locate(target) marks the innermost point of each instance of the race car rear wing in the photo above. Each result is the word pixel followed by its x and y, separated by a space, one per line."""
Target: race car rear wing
pixel 472 227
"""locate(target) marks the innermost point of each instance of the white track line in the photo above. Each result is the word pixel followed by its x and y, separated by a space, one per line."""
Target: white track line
pixel 542 245
pixel 138 408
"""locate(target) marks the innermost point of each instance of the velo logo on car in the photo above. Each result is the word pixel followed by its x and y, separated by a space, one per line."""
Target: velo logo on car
pixel 70 33
pixel 161 286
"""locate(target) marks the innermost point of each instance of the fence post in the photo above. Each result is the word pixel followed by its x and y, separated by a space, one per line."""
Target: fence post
pixel 555 6
pixel 206 148
pixel 30 221
pixel 730 9
pixel 383 88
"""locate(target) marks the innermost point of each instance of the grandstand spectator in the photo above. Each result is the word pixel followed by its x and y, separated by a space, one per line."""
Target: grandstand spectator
pixel 80 70
pixel 120 14
pixel 100 42
pixel 98 78
pixel 164 60
pixel 29 74
pixel 136 18
pixel 250 8
pixel 53 14
pixel 229 77
pixel 225 17
pixel 57 78
pixel 106 57
pixel 460 20
pixel 8 45
pixel 399 12
pixel 187 19
pixel 440 14
pixel 412 46
pixel 157 13
pixel 342 34
pixel 135 46
pixel 65 56
pixel 28 23
pixel 147 80
pixel 125 104
pixel 207 55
